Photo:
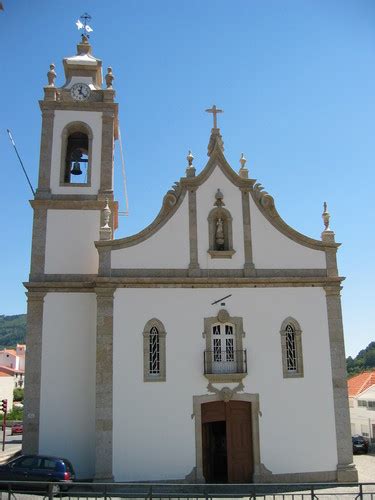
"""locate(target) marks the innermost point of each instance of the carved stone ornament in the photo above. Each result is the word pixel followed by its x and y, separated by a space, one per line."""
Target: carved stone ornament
pixel 51 75
pixel 262 196
pixel 190 170
pixel 219 199
pixel 106 214
pixel 109 77
pixel 219 237
pixel 215 138
pixel 223 316
pixel 243 172
pixel 105 229
pixel 225 394
pixel 325 216
pixel 170 199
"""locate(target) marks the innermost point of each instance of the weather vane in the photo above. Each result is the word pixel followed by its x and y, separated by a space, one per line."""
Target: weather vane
pixel 82 25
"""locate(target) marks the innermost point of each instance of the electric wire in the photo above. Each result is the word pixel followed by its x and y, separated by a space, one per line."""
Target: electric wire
pixel 123 173
pixel 23 168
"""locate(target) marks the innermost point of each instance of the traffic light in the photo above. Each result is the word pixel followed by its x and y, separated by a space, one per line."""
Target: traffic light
pixel 4 405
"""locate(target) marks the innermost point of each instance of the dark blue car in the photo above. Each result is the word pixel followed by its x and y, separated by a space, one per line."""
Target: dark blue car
pixel 38 468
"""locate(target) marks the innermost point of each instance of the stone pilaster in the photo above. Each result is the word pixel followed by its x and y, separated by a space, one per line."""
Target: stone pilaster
pixel 45 160
pixel 38 249
pixel 104 385
pixel 346 470
pixel 33 368
pixel 194 269
pixel 249 264
pixel 328 236
pixel 106 173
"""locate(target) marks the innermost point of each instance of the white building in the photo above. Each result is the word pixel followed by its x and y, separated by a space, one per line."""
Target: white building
pixel 13 362
pixel 6 387
pixel 201 348
pixel 361 390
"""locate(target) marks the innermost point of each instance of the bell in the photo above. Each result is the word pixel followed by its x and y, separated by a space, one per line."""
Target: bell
pixel 76 170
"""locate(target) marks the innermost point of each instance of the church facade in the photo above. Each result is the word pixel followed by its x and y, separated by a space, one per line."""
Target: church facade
pixel 206 348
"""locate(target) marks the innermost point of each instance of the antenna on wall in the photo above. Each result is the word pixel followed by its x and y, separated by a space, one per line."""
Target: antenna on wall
pixel 23 168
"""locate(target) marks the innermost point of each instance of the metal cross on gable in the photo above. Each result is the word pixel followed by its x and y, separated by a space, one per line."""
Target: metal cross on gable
pixel 214 110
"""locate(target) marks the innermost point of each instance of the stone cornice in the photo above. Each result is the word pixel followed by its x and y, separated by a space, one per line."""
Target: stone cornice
pixel 110 283
pixel 74 203
pixel 110 107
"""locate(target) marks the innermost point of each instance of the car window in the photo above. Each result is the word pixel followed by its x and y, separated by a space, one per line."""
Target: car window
pixel 49 464
pixel 25 463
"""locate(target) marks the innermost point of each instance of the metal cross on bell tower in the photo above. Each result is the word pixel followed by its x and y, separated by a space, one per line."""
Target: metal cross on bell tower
pixel 214 110
pixel 82 25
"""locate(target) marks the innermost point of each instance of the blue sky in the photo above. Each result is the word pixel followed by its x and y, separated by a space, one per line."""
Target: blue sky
pixel 296 80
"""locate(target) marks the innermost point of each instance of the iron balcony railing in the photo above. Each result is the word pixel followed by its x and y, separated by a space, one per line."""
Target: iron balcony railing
pixel 21 490
pixel 228 361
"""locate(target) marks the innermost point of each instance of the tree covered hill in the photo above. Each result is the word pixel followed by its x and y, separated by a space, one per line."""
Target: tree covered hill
pixel 365 360
pixel 12 330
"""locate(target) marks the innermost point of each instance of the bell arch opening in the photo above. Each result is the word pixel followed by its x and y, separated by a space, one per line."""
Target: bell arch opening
pixel 76 149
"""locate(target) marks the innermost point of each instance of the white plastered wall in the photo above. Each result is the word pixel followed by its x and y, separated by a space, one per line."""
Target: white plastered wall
pixel 155 434
pixel 70 247
pixel 274 250
pixel 67 410
pixel 6 388
pixel 94 120
pixel 168 248
pixel 362 418
pixel 233 203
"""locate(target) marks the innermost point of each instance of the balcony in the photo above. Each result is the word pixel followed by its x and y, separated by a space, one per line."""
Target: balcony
pixel 225 366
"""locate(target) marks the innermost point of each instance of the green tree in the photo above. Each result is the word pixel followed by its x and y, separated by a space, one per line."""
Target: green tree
pixel 18 394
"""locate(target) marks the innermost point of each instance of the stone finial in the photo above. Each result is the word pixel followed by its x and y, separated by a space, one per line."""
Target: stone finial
pixel 190 170
pixel 105 230
pixel 51 75
pixel 244 172
pixel 215 138
pixel 219 199
pixel 325 216
pixel 109 77
pixel 84 47
pixel 327 235
pixel 190 158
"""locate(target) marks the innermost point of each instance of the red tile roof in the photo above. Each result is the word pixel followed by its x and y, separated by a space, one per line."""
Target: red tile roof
pixel 361 382
pixel 11 371
pixel 5 373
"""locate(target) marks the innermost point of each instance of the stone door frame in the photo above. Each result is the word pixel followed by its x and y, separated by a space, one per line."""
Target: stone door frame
pixel 197 409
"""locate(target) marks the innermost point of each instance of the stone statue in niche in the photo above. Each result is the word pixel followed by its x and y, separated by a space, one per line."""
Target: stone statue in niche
pixel 219 236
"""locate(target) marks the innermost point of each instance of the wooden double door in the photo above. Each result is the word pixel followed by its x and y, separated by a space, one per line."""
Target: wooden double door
pixel 227 442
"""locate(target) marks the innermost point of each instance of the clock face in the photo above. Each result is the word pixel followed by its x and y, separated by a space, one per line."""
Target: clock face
pixel 80 91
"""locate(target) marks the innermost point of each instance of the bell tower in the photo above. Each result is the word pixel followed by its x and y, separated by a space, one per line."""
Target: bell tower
pixel 79 127
pixel 71 207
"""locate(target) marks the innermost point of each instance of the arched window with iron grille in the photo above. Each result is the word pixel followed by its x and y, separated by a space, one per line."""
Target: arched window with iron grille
pixel 154 358
pixel 291 348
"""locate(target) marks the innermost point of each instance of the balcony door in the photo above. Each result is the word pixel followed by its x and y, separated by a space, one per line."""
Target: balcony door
pixel 223 348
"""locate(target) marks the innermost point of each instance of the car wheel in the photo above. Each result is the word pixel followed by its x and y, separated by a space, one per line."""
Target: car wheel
pixel 55 489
